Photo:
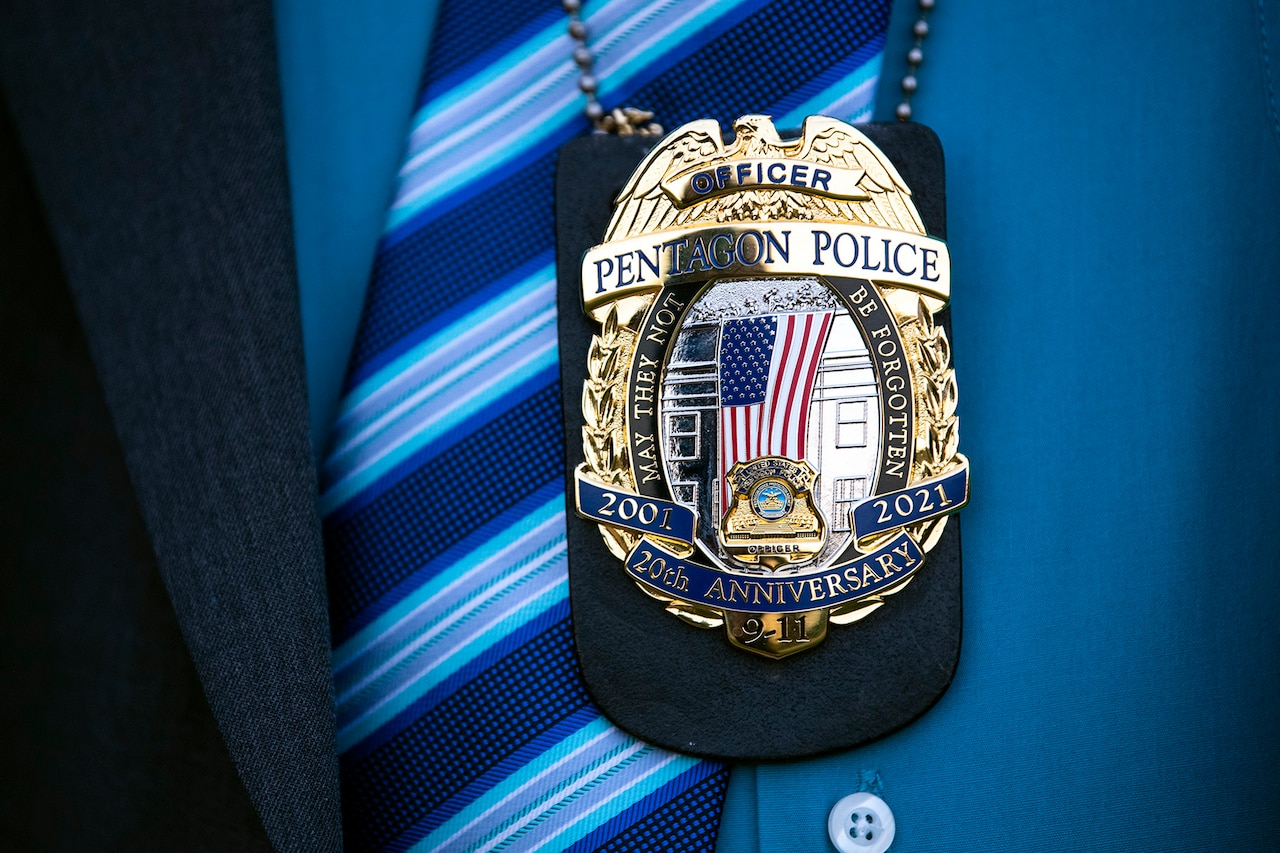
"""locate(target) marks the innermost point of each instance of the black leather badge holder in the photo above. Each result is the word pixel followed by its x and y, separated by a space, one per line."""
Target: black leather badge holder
pixel 687 688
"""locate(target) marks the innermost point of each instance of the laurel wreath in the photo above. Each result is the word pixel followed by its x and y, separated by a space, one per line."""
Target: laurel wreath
pixel 938 440
pixel 604 434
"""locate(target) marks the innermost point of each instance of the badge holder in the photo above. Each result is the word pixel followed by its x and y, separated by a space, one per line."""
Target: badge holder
pixel 760 432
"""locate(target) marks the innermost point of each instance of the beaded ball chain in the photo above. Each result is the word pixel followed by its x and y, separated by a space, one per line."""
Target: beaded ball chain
pixel 915 56
pixel 623 120
pixel 628 120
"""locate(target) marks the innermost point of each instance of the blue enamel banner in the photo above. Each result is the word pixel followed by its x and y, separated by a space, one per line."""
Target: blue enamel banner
pixel 670 575
pixel 918 502
pixel 640 513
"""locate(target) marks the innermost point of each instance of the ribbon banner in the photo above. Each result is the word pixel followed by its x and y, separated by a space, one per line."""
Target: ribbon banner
pixel 771 173
pixel 640 513
pixel 920 501
pixel 673 577
pixel 649 262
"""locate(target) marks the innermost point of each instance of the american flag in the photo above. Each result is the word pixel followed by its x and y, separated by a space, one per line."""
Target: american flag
pixel 767 369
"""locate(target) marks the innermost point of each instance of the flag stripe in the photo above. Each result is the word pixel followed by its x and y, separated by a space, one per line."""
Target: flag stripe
pixel 780 403
pixel 764 411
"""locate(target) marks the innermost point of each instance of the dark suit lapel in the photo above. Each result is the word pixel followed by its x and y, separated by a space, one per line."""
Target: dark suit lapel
pixel 154 134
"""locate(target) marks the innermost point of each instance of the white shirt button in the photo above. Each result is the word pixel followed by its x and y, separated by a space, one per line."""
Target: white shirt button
pixel 861 823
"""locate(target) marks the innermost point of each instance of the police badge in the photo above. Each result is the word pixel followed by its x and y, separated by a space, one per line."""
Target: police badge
pixel 767 416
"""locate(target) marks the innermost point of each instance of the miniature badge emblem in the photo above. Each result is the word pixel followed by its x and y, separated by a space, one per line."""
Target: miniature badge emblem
pixel 769 412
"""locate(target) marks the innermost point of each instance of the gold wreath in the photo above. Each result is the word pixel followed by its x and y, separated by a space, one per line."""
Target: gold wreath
pixel 938 439
pixel 604 433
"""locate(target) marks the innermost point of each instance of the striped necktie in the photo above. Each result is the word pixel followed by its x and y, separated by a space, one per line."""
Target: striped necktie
pixel 462 722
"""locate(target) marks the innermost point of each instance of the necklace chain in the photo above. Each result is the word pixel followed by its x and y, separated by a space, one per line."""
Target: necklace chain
pixel 915 56
pixel 626 121
pixel 623 121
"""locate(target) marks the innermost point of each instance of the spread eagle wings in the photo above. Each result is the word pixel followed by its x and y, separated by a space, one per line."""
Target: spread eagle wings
pixel 643 206
pixel 830 141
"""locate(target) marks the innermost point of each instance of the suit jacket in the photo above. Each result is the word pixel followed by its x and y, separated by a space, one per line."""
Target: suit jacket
pixel 164 645
pixel 166 639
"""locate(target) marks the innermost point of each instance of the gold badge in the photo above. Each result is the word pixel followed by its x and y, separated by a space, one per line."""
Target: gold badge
pixel 769 412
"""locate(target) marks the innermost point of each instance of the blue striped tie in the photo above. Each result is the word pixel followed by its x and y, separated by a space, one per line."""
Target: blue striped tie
pixel 462 722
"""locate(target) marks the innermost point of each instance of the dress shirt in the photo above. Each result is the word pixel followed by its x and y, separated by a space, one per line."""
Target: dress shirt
pixel 1112 175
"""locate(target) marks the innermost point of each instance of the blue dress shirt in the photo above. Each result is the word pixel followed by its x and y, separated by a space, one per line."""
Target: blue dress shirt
pixel 1113 181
